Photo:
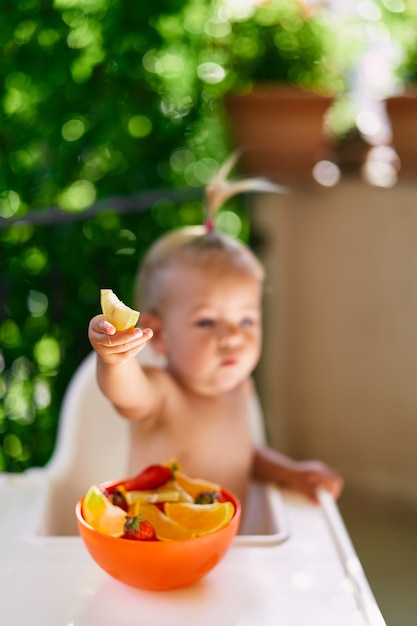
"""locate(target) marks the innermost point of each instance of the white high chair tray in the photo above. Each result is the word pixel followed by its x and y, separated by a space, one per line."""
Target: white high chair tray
pixel 313 578
pixel 296 568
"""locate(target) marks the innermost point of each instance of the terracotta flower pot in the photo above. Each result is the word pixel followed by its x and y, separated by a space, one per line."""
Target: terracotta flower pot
pixel 402 112
pixel 279 129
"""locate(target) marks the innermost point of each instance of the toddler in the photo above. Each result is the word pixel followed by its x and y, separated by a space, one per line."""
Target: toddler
pixel 200 300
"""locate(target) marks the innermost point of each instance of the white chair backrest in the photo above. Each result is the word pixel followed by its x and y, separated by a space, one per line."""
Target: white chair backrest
pixel 92 444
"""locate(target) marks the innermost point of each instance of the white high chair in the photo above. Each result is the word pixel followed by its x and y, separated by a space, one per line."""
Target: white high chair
pixel 93 444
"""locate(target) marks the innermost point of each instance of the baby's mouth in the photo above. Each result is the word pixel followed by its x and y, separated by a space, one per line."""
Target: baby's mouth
pixel 229 360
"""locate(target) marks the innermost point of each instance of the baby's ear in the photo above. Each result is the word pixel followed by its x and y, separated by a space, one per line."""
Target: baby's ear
pixel 154 322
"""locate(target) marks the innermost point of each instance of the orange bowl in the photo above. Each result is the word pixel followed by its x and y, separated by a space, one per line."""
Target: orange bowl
pixel 159 565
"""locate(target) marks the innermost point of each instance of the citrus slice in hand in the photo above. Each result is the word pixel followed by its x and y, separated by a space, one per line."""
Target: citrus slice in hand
pixel 201 519
pixel 166 529
pixel 195 486
pixel 121 316
pixel 101 514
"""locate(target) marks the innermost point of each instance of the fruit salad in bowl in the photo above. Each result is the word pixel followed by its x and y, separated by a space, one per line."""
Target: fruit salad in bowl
pixel 160 529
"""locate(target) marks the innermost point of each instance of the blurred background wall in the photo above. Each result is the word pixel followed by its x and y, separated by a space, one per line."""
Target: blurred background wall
pixel 341 331
pixel 338 372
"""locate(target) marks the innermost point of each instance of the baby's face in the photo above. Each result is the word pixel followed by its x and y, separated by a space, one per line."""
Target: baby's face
pixel 212 327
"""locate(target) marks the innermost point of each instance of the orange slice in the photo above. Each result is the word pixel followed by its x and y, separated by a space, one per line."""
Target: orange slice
pixel 101 514
pixel 201 519
pixel 121 316
pixel 194 486
pixel 166 529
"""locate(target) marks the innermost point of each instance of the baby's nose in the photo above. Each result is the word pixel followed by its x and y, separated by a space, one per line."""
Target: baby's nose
pixel 229 335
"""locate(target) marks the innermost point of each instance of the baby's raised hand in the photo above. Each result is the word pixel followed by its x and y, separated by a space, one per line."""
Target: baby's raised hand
pixel 116 346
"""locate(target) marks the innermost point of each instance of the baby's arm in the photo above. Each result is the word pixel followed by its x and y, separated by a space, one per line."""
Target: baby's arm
pixel 303 476
pixel 119 375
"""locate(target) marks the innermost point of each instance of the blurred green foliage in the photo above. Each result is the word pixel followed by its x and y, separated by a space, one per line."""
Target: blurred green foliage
pixel 290 42
pixel 82 120
pixel 403 27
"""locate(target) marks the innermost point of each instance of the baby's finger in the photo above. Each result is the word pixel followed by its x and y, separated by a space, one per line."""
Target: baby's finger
pixel 127 340
pixel 107 327
pixel 99 324
pixel 334 485
pixel 132 335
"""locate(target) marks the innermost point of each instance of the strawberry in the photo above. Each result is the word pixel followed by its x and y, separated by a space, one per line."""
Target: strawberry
pixel 150 478
pixel 139 529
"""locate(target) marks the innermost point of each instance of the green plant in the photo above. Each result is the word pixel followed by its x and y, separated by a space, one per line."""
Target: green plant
pixel 404 34
pixel 288 42
pixel 211 48
pixel 85 135
pixel 230 45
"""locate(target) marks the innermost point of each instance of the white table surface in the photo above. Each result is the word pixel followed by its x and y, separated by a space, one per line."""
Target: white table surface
pixel 314 578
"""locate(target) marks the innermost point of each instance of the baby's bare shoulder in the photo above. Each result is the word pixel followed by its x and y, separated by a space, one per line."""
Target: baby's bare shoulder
pixel 165 387
pixel 160 377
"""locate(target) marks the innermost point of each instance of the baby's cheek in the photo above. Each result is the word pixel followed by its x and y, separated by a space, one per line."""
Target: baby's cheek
pixel 190 360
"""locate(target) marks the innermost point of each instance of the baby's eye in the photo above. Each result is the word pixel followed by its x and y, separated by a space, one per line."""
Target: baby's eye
pixel 247 321
pixel 205 323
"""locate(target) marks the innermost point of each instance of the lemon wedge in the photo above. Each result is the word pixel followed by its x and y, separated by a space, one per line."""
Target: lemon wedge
pixel 101 514
pixel 121 316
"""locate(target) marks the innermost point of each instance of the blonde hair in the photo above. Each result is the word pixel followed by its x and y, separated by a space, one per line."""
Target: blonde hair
pixel 195 247
pixel 201 247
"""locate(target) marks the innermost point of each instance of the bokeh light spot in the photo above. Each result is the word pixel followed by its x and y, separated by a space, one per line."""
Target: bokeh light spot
pixel 34 260
pixel 12 445
pixel 42 394
pixel 326 173
pixel 47 353
pixel 9 334
pixel 139 126
pixel 73 130
pixel 211 73
pixel 48 37
pixel 229 222
pixel 78 196
pixel 9 203
pixel 24 31
pixel 37 303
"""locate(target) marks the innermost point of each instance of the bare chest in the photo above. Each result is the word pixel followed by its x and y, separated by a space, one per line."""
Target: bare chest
pixel 210 438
